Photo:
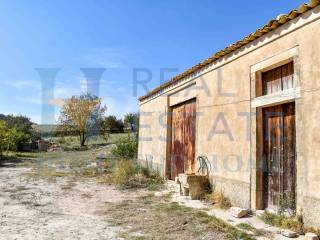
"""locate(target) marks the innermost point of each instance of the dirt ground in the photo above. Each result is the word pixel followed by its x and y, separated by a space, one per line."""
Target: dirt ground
pixel 60 205
pixel 62 209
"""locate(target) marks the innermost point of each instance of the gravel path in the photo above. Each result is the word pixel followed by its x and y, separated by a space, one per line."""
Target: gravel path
pixel 63 209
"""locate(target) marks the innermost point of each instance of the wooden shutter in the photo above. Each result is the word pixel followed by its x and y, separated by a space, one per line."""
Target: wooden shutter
pixel 278 79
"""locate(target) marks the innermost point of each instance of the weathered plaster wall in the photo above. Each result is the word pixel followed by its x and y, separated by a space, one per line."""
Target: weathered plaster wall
pixel 227 136
pixel 153 133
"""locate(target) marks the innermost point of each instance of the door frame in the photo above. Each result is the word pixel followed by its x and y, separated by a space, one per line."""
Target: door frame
pixel 169 134
pixel 257 102
pixel 257 162
pixel 282 151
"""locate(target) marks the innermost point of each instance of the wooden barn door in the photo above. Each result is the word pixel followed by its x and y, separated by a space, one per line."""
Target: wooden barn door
pixel 183 139
pixel 279 155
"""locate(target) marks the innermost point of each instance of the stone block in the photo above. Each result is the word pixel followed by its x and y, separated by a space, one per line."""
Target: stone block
pixel 289 233
pixel 238 212
pixel 311 236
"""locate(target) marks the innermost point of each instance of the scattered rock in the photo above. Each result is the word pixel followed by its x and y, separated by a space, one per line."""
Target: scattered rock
pixel 176 180
pixel 259 213
pixel 162 193
pixel 137 234
pixel 311 236
pixel 289 233
pixel 158 194
pixel 238 212
pixel 94 164
pixel 101 155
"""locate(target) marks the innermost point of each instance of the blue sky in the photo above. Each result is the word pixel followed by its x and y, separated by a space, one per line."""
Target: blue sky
pixel 119 35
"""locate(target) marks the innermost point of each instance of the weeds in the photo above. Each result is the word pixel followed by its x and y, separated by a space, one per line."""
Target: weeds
pixel 219 199
pixel 287 204
pixel 156 218
pixel 282 221
pixel 250 228
pixel 127 174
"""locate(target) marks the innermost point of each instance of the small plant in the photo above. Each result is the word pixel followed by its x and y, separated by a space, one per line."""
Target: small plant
pixel 126 148
pixel 287 204
pixel 250 228
pixel 246 226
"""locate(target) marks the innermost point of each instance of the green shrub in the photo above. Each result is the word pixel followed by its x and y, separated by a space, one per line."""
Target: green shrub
pixel 61 140
pixel 10 137
pixel 126 148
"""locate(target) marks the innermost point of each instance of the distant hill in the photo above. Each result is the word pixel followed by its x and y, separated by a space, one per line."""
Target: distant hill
pixel 46 130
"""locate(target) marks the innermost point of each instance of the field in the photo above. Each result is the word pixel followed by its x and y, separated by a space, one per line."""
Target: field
pixel 72 142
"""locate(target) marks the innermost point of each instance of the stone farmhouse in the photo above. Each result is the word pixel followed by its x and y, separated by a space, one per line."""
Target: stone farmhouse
pixel 247 118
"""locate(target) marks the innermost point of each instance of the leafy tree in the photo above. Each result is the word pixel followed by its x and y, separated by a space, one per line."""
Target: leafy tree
pixel 112 124
pixel 120 126
pixel 10 137
pixel 3 130
pixel 131 121
pixel 13 138
pixel 23 126
pixel 35 135
pixel 104 130
pixel 82 115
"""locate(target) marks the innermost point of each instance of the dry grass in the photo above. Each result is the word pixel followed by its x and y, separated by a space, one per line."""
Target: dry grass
pixel 71 143
pixel 45 173
pixel 52 165
pixel 249 228
pixel 218 199
pixel 154 218
pixel 128 175
pixel 282 221
pixel 83 164
pixel 312 230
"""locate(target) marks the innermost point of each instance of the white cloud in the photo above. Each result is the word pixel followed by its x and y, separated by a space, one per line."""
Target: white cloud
pixel 21 84
pixel 65 91
pixel 108 58
pixel 31 99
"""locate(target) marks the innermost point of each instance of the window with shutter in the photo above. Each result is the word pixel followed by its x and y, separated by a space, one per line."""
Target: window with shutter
pixel 278 79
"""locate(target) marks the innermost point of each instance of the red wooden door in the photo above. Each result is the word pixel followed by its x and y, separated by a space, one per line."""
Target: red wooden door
pixel 183 139
pixel 279 154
